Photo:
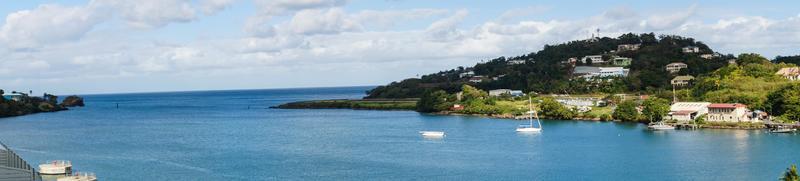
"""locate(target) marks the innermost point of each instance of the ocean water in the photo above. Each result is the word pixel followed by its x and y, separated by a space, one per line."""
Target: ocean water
pixel 231 135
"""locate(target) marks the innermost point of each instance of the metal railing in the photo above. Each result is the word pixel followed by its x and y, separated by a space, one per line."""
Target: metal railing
pixel 12 161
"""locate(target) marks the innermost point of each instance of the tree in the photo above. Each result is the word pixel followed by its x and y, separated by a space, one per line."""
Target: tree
pixel 791 174
pixel 751 58
pixel 785 102
pixel 433 101
pixel 626 111
pixel 550 108
pixel 655 108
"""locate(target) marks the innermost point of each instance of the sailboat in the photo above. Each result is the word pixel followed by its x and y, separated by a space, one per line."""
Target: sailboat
pixel 529 127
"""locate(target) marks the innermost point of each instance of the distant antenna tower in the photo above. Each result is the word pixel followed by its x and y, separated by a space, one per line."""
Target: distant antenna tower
pixel 598 33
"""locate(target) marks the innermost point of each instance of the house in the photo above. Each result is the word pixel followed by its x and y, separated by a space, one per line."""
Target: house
pixel 467 74
pixel 593 59
pixel 599 72
pixel 498 92
pixel 476 79
pixel 728 113
pixel 628 47
pixel 710 55
pixel 687 111
pixel 682 81
pixel 571 60
pixel 691 49
pixel 621 61
pixel 517 93
pixel 457 107
pixel 13 97
pixel 791 73
pixel 516 62
pixel 676 67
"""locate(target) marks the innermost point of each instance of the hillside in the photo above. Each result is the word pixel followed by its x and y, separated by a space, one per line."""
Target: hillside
pixel 551 69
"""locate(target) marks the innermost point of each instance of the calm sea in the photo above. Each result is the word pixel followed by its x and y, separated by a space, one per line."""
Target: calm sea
pixel 231 135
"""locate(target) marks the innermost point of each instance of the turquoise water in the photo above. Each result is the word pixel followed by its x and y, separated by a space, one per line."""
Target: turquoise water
pixel 214 136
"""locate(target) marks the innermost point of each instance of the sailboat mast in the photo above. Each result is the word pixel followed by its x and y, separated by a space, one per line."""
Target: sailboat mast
pixel 530 111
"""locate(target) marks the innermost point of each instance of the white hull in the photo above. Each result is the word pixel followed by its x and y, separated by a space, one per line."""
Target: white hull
pixel 56 168
pixel 661 127
pixel 529 129
pixel 783 131
pixel 432 133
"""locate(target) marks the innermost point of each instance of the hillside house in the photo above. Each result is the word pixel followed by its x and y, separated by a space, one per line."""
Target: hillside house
pixel 13 97
pixel 599 72
pixel 628 47
pixel 682 81
pixel 687 111
pixel 467 74
pixel 476 79
pixel 621 61
pixel 593 59
pixel 516 62
pixel 710 55
pixel 691 49
pixel 791 73
pixel 676 67
pixel 728 113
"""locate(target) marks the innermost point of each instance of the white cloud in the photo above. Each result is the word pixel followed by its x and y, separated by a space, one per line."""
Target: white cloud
pixel 447 28
pixel 30 29
pixel 213 6
pixel 259 25
pixel 150 13
pixel 319 21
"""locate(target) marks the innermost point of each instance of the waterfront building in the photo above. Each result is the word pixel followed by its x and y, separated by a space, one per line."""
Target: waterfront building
pixel 791 73
pixel 676 67
pixel 682 81
pixel 15 97
pixel 728 113
pixel 687 111
pixel 628 47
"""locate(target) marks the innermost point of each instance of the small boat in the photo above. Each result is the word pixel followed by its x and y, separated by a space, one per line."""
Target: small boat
pixel 782 130
pixel 432 133
pixel 57 167
pixel 529 127
pixel 659 126
pixel 79 176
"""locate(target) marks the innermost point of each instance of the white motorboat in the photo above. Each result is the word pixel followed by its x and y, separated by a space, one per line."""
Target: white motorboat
pixel 782 130
pixel 79 176
pixel 659 126
pixel 57 167
pixel 432 133
pixel 529 127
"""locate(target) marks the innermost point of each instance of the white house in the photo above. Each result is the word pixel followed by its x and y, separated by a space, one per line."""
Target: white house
pixel 593 59
pixel 628 47
pixel 498 92
pixel 13 97
pixel 710 55
pixel 682 81
pixel 517 93
pixel 516 62
pixel 676 67
pixel 691 49
pixel 687 111
pixel 466 74
pixel 476 79
pixel 791 73
pixel 728 113
pixel 600 72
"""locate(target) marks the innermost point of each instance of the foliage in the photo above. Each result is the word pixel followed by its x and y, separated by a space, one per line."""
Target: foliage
pixel 747 84
pixel 788 59
pixel 433 101
pixel 626 112
pixel 552 109
pixel 785 102
pixel 791 174
pixel 655 108
pixel 29 105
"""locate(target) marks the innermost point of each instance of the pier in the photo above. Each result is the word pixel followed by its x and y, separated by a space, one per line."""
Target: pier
pixel 14 168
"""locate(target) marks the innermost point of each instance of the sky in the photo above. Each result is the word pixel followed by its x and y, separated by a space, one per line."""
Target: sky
pixel 112 46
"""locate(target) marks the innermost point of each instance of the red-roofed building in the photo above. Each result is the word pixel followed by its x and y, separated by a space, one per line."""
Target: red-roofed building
pixel 728 113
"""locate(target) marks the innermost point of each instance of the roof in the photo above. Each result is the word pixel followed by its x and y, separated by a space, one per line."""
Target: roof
pixel 688 106
pixel 729 106
pixel 789 71
pixel 586 70
pixel 684 112
pixel 683 77
pixel 675 64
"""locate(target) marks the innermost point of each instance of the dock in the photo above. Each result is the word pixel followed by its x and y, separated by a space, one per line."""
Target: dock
pixel 14 168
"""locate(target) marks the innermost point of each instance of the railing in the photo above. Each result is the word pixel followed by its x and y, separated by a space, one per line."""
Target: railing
pixel 11 161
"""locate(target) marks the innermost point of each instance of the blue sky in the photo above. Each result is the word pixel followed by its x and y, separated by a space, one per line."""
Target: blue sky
pixel 106 46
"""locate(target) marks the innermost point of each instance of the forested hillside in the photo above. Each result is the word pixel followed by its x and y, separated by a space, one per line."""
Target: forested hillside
pixel 549 71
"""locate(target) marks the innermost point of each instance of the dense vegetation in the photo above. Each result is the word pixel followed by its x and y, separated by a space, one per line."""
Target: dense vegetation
pixel 546 72
pixel 29 105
